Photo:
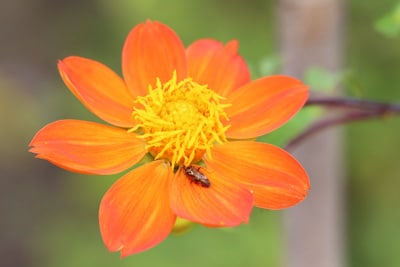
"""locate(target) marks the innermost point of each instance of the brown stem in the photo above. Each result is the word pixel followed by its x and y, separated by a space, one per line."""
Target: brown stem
pixel 366 109
pixel 355 104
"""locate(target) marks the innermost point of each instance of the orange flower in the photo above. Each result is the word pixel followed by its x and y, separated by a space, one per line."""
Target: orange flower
pixel 182 107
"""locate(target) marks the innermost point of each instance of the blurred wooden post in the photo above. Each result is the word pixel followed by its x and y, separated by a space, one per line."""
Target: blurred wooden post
pixel 310 33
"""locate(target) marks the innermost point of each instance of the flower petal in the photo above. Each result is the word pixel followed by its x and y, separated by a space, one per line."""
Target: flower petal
pixel 87 147
pixel 264 105
pixel 218 66
pixel 134 214
pixel 100 89
pixel 276 178
pixel 152 50
pixel 224 203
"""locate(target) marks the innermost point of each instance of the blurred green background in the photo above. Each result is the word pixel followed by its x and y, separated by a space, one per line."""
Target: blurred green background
pixel 49 216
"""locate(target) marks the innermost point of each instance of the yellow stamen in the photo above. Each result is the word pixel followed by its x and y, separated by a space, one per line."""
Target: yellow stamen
pixel 180 121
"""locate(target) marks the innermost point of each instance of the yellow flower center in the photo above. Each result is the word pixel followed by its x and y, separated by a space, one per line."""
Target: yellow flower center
pixel 180 121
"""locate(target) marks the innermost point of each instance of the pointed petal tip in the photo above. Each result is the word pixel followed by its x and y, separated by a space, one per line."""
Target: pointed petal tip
pixel 135 214
pixel 125 251
pixel 233 46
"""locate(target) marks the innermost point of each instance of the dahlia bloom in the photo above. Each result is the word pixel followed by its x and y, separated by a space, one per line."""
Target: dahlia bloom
pixel 195 113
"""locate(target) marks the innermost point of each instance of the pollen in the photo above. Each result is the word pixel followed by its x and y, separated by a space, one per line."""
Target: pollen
pixel 180 120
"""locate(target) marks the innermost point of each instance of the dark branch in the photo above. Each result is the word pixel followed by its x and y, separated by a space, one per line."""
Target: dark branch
pixel 354 103
pixel 365 109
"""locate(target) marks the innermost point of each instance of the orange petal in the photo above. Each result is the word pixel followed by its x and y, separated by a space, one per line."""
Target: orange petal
pixel 224 203
pixel 264 105
pixel 152 50
pixel 101 90
pixel 87 147
pixel 276 178
pixel 134 214
pixel 218 66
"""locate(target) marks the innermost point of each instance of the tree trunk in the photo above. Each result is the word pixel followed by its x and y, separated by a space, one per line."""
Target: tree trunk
pixel 311 35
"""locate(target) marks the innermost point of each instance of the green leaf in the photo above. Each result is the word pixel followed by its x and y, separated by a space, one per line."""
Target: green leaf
pixel 389 24
pixel 270 65
pixel 321 79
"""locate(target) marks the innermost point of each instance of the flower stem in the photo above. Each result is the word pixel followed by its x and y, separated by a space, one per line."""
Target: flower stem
pixel 355 103
pixel 356 110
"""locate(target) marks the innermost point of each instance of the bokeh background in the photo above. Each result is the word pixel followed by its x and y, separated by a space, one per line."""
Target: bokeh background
pixel 48 217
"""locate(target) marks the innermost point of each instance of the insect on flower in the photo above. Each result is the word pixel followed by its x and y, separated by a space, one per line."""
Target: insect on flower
pixel 196 176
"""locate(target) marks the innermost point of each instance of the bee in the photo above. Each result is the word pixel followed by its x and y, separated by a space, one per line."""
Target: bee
pixel 196 176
